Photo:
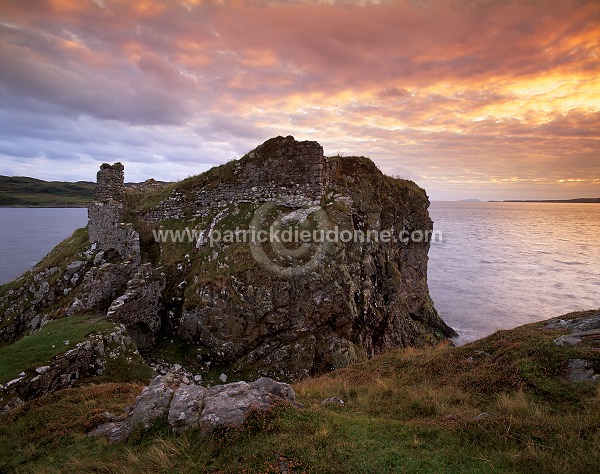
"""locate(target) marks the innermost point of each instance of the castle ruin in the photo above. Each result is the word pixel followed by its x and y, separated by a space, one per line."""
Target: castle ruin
pixel 106 214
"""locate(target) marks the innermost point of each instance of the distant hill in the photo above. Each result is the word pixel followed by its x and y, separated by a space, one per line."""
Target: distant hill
pixel 19 191
pixel 577 200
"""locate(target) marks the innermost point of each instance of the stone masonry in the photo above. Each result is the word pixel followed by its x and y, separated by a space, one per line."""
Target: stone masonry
pixel 105 214
pixel 280 168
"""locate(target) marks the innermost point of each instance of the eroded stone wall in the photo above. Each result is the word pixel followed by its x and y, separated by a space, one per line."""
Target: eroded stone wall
pixel 106 214
pixel 281 168
pixel 110 183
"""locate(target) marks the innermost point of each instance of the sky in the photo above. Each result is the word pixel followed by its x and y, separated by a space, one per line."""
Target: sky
pixel 470 99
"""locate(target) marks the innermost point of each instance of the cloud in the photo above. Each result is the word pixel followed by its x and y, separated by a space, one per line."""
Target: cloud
pixel 451 92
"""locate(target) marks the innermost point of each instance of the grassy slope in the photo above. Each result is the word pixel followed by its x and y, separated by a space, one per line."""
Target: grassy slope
pixel 406 411
pixel 38 348
pixel 67 251
pixel 18 191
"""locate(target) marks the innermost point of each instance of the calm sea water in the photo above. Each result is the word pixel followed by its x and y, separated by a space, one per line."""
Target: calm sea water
pixel 499 265
pixel 27 235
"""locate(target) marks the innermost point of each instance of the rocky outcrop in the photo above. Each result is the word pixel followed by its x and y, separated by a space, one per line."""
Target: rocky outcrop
pixel 253 308
pixel 42 293
pixel 272 311
pixel 139 308
pixel 581 370
pixel 88 358
pixel 190 406
pixel 585 332
pixel 285 317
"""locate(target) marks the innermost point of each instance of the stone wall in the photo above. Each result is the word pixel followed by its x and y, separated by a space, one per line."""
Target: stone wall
pixel 280 168
pixel 106 214
pixel 110 183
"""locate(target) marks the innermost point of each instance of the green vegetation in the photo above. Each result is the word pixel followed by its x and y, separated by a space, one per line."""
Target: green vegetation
pixel 39 347
pixel 405 184
pixel 143 200
pixel 29 192
pixel 208 180
pixel 125 369
pixel 172 348
pixel 50 430
pixel 67 251
pixel 406 411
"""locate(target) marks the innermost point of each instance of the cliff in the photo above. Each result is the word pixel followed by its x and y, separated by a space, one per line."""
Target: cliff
pixel 179 260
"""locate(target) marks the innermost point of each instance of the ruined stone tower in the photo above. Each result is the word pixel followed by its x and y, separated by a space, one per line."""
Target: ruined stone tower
pixel 105 214
pixel 110 183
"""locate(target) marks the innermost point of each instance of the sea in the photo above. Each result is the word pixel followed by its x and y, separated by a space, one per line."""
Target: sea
pixel 491 265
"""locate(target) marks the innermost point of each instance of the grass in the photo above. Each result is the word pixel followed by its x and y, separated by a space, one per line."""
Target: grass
pixel 15 296
pixel 143 200
pixel 406 411
pixel 65 252
pixel 47 429
pixel 39 347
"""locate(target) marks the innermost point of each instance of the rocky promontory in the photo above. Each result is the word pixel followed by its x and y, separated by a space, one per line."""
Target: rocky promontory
pixel 150 260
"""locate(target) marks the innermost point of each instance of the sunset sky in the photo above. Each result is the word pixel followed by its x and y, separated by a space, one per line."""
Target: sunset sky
pixel 471 99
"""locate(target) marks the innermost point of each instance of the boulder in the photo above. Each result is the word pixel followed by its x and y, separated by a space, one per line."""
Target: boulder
pixel 187 406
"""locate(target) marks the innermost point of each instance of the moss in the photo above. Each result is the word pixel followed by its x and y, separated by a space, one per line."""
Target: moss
pixel 237 217
pixel 126 368
pixel 210 179
pixel 405 184
pixel 172 348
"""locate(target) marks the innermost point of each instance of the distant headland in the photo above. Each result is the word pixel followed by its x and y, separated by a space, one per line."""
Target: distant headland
pixel 575 201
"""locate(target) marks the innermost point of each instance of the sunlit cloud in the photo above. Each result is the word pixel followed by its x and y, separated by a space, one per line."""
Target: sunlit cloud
pixel 471 99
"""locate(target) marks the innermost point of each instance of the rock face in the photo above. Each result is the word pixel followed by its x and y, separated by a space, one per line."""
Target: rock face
pixel 585 333
pixel 140 306
pixel 281 309
pixel 269 313
pixel 188 406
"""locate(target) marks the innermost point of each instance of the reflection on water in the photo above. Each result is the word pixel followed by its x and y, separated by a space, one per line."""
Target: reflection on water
pixel 501 265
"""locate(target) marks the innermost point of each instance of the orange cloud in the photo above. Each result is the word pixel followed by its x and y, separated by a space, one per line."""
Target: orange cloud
pixel 460 93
